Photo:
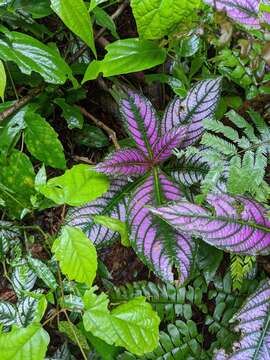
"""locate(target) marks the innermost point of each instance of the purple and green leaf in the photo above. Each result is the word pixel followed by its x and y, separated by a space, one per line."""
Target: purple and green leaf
pixel 254 324
pixel 140 120
pixel 237 224
pixel 200 103
pixel 158 245
pixel 245 12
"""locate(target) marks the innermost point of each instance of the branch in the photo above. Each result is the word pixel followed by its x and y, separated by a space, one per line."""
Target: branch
pixel 19 104
pixel 100 124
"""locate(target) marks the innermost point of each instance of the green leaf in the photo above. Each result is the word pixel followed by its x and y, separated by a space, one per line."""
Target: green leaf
pixel 76 255
pixel 106 351
pixel 10 132
pixel 157 18
pixel 31 55
pixel 70 113
pixel 42 141
pixel 38 9
pixel 3 80
pixel 104 20
pixel 24 344
pixel 43 272
pixel 17 176
pixel 70 330
pixel 75 16
pixel 95 3
pixel 126 56
pixel 133 325
pixel 114 225
pixel 64 189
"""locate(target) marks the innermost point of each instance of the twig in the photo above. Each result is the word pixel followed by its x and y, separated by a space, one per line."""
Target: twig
pixel 19 104
pixel 83 159
pixel 101 125
pixel 98 35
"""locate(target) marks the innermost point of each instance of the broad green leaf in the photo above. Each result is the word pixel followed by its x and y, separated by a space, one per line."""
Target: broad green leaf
pixel 71 114
pixel 28 343
pixel 157 18
pixel 3 81
pixel 77 186
pixel 126 56
pixel 133 325
pixel 114 225
pixel 75 16
pixel 17 177
pixel 32 55
pixel 42 141
pixel 43 272
pixel 95 3
pixel 76 255
pixel 106 351
pixel 70 330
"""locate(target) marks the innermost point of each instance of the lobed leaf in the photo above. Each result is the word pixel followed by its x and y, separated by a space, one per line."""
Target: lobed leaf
pixel 238 224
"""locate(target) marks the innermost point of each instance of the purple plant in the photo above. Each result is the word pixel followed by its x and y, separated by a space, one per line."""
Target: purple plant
pixel 160 246
pixel 246 12
pixel 253 323
pixel 235 224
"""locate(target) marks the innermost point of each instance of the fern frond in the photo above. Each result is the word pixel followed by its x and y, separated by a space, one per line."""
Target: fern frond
pixel 242 123
pixel 241 266
pixel 219 144
pixel 217 127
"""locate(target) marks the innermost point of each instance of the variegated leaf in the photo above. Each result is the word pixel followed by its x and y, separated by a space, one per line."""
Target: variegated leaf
pixel 8 233
pixel 200 103
pixel 163 148
pixel 254 324
pixel 26 311
pixel 124 162
pixel 160 247
pixel 23 278
pixel 245 12
pixel 7 313
pixel 238 224
pixel 111 204
pixel 140 120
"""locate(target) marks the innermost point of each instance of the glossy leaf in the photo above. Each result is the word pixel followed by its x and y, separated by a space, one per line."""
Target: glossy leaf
pixel 157 18
pixel 124 162
pixel 253 323
pixel 17 176
pixel 112 204
pixel 141 121
pixel 3 80
pixel 238 224
pixel 201 103
pixel 28 343
pixel 31 55
pixel 76 255
pixel 43 272
pixel 42 141
pixel 243 11
pixel 75 16
pixel 160 247
pixel 133 325
pixel 126 56
pixel 64 189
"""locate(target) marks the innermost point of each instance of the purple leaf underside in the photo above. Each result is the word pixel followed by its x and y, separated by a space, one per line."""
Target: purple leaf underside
pixel 156 244
pixel 253 323
pixel 109 205
pixel 200 103
pixel 124 162
pixel 238 225
pixel 140 120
